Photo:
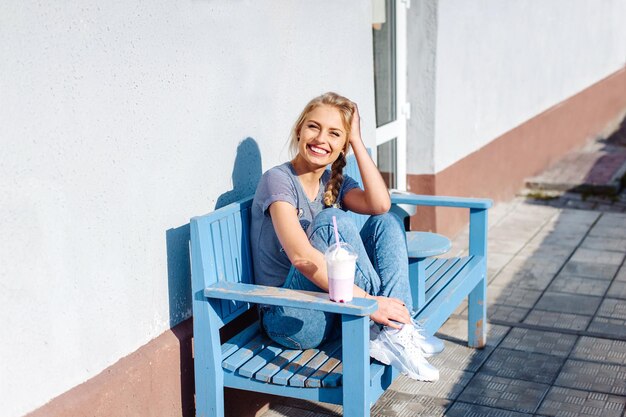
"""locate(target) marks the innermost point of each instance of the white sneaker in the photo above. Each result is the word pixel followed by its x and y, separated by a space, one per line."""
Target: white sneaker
pixel 396 348
pixel 429 345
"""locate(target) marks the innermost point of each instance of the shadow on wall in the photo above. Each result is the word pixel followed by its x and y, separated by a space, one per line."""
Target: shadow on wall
pixel 246 174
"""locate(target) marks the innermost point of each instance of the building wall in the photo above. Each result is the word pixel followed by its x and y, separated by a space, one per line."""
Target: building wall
pixel 499 64
pixel 121 120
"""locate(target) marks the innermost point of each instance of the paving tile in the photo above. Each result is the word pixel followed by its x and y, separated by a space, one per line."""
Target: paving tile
pixel 598 256
pixel 592 270
pixel 398 404
pixel 565 402
pixel 537 341
pixel 450 384
pixel 617 290
pixel 608 327
pixel 557 320
pixel 513 297
pixel 591 376
pixel 460 409
pixel 621 274
pixel 528 279
pixel 458 356
pixel 506 314
pixel 572 284
pixel 570 240
pixel 613 220
pixel 604 243
pixel 505 393
pixel 568 303
pixel 455 329
pixel 611 232
pixel 528 366
pixel 600 350
pixel 612 308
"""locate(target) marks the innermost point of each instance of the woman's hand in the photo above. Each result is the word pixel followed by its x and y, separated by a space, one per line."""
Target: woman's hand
pixel 391 311
pixel 355 127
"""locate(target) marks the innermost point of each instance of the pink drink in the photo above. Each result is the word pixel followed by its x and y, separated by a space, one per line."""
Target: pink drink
pixel 341 265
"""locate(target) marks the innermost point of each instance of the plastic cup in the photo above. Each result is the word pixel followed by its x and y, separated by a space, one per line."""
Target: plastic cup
pixel 341 265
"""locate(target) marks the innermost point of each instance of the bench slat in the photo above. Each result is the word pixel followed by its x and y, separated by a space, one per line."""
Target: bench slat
pixel 299 379
pixel 240 339
pixel 433 278
pixel 259 360
pixel 244 354
pixel 266 373
pixel 316 380
pixel 334 377
pixel 282 376
pixel 446 278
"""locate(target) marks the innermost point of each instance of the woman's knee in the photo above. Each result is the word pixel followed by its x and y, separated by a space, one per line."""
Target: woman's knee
pixel 345 224
pixel 389 222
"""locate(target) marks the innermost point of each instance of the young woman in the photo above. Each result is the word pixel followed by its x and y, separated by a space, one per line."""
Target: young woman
pixel 292 227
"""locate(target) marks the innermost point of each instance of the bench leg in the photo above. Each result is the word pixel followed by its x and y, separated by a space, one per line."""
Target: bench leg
pixel 417 281
pixel 209 376
pixel 477 315
pixel 356 366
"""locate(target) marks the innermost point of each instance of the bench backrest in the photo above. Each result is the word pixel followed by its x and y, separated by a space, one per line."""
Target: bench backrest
pixel 220 251
pixel 220 248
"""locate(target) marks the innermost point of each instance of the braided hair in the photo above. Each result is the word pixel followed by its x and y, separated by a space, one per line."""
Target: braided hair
pixel 346 111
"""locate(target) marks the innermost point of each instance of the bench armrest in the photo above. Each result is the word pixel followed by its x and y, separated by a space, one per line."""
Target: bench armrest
pixel 262 294
pixel 443 201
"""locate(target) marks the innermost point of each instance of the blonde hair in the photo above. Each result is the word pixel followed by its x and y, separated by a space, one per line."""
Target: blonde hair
pixel 346 111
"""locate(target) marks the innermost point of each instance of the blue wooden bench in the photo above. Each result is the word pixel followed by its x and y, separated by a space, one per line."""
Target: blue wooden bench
pixel 223 289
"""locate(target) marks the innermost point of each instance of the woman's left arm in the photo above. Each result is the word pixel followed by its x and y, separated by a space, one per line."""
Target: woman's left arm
pixel 374 198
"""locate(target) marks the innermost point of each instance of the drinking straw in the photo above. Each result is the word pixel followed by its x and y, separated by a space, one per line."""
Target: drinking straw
pixel 336 231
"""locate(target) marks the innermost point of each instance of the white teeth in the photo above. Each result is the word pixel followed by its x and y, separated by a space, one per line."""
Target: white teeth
pixel 318 150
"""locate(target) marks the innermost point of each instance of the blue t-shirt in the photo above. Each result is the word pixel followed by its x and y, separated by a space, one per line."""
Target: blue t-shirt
pixel 271 264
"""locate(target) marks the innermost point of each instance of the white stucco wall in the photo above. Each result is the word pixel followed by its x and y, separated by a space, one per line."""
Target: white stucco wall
pixel 500 63
pixel 118 122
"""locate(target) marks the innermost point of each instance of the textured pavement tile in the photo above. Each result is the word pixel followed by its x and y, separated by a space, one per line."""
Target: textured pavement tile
pixel 591 376
pixel 559 239
pixel 598 256
pixel 517 364
pixel 455 329
pixel 621 275
pixel 546 251
pixel 568 303
pixel 600 350
pixel 617 290
pixel 608 327
pixel 504 246
pixel 564 402
pixel 397 404
pixel 506 314
pixel 537 341
pixel 459 357
pixel 604 243
pixel 527 279
pixel 506 393
pixel 557 320
pixel 450 384
pixel 612 220
pixel 612 308
pixel 592 270
pixel 512 297
pixel 460 409
pixel 607 231
pixel 579 285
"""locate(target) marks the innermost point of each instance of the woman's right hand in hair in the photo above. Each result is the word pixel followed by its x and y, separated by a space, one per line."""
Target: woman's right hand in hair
pixel 355 127
pixel 391 312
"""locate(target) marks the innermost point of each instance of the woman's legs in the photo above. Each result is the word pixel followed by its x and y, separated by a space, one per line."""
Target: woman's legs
pixel 380 246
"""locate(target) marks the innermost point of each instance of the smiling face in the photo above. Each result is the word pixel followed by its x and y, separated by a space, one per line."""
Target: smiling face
pixel 322 136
